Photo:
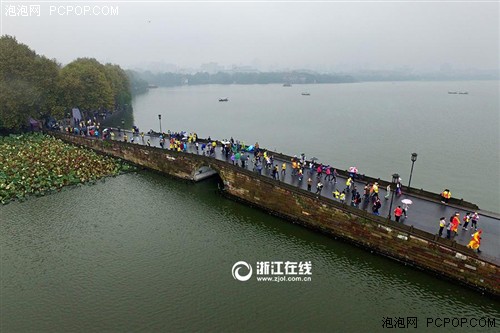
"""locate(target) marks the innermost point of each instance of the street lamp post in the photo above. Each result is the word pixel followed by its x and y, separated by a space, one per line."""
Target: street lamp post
pixel 159 118
pixel 413 159
pixel 123 126
pixel 395 179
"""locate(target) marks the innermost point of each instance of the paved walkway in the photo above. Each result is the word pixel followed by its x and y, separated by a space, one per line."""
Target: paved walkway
pixel 423 214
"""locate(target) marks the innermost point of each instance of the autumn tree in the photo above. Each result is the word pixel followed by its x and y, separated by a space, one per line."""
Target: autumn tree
pixel 120 84
pixel 84 85
pixel 28 84
pixel 34 86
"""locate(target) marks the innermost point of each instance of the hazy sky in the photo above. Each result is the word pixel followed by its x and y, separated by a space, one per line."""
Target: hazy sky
pixel 333 35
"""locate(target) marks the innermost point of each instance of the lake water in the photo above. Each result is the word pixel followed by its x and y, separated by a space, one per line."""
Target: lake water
pixel 374 126
pixel 142 252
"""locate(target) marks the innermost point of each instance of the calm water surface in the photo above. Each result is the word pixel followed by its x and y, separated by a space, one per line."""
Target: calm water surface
pixel 374 126
pixel 141 252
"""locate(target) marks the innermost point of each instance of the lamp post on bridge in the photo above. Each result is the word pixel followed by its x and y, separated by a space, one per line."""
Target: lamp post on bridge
pixel 395 179
pixel 123 127
pixel 413 159
pixel 159 118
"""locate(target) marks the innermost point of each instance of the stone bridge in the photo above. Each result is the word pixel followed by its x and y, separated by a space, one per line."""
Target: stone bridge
pixel 398 241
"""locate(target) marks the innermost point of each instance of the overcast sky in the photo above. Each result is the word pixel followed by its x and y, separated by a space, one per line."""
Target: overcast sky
pixel 335 35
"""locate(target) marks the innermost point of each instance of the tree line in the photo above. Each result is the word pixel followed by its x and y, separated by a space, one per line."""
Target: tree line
pixel 34 86
pixel 177 79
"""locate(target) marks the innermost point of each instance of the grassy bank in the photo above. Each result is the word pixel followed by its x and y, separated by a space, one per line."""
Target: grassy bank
pixel 35 164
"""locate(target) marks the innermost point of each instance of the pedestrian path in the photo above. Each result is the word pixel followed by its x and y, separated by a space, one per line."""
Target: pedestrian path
pixel 423 213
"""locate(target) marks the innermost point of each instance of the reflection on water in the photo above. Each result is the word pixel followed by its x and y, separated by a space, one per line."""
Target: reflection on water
pixel 143 252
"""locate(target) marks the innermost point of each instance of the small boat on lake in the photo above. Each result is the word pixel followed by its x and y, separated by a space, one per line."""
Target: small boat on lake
pixel 287 85
pixel 306 94
pixel 223 99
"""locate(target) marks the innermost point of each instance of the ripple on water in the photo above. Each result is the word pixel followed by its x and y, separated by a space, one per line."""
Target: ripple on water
pixel 143 252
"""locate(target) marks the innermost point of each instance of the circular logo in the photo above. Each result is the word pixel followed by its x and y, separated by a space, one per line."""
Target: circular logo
pixel 236 271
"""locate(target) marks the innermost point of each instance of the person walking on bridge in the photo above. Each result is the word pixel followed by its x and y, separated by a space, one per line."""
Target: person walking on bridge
pixel 374 190
pixel 348 184
pixel 328 174
pixel 455 222
pixel 449 227
pixel 319 171
pixel 367 191
pixel 334 175
pixel 276 172
pixel 356 200
pixel 353 193
pixel 376 206
pixel 467 219
pixel 244 159
pixel 311 168
pixel 309 183
pixel 237 158
pixel 442 224
pixel 300 174
pixel 405 210
pixel 269 163
pixel 294 166
pixel 475 241
pixel 388 194
pixel 319 187
pixel 283 169
pixel 258 167
pixel 398 189
pixel 445 196
pixel 397 213
pixel 342 197
pixel 475 219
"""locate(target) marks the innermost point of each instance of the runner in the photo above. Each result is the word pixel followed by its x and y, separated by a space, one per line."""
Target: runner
pixel 319 187
pixel 467 219
pixel 442 224
pixel 397 213
pixel 475 241
pixel 475 219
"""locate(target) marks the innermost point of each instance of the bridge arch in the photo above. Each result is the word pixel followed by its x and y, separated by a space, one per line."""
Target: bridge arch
pixel 205 169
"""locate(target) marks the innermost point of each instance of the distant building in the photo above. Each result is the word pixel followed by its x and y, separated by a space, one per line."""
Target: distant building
pixel 211 68
pixel 244 69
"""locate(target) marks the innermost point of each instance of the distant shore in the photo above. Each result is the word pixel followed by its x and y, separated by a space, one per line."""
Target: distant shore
pixel 142 81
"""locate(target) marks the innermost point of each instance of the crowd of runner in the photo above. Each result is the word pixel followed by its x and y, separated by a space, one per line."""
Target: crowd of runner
pixel 264 163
